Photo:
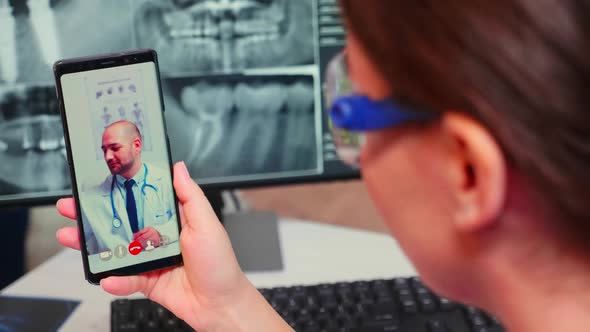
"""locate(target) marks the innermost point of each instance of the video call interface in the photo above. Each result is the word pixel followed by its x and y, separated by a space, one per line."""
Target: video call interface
pixel 242 85
pixel 121 164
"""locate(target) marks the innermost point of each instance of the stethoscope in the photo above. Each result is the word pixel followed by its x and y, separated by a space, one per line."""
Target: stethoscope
pixel 116 218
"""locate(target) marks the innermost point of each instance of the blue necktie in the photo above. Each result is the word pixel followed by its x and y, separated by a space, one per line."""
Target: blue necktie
pixel 131 208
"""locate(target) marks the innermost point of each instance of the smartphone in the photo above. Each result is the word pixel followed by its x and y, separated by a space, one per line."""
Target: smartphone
pixel 118 153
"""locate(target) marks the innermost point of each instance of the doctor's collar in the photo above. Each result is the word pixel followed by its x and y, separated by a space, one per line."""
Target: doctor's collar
pixel 139 177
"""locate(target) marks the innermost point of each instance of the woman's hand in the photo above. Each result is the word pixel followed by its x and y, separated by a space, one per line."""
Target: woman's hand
pixel 209 292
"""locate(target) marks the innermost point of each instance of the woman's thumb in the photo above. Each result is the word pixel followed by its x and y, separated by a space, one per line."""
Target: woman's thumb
pixel 195 205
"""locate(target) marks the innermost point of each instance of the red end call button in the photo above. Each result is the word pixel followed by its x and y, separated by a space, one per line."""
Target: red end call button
pixel 135 248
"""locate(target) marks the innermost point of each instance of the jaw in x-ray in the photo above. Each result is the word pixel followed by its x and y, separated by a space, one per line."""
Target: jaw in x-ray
pixel 223 36
pixel 246 127
pixel 31 141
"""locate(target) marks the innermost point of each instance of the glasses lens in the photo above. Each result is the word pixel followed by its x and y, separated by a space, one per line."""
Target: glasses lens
pixel 338 84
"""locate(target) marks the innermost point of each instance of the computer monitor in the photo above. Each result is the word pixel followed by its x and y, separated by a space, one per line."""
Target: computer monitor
pixel 242 83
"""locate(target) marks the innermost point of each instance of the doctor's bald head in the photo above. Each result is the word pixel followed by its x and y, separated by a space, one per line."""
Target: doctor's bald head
pixel 121 146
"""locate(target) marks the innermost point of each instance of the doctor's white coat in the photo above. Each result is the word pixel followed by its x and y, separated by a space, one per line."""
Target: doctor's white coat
pixel 97 213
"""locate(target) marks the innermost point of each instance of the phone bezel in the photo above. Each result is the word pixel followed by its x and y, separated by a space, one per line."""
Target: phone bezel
pixel 102 61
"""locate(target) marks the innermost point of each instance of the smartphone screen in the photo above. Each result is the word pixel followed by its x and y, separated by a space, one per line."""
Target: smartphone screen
pixel 120 160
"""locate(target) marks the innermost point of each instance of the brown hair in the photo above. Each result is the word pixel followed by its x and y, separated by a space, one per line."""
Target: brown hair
pixel 520 67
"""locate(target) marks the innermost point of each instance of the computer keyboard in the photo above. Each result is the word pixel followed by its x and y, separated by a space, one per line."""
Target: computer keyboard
pixel 400 305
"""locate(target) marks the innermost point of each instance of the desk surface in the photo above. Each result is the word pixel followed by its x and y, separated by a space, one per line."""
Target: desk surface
pixel 312 253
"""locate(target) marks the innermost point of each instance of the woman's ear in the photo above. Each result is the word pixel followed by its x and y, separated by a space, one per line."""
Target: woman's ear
pixel 478 162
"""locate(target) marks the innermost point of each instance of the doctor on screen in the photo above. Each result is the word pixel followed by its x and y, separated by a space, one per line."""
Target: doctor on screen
pixel 134 203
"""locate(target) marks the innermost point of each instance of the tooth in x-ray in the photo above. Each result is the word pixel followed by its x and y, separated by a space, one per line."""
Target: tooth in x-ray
pixel 8 64
pixel 51 133
pixel 44 22
pixel 299 124
pixel 212 36
pixel 256 126
pixel 28 138
pixel 226 38
pixel 210 105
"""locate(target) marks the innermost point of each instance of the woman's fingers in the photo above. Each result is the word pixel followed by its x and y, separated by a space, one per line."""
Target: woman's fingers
pixel 123 286
pixel 69 237
pixel 67 208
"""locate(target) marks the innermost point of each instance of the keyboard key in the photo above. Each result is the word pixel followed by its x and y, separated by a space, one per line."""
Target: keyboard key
pixel 330 304
pixel 128 327
pixel 280 296
pixel 379 285
pixel 170 323
pixel 436 325
pixel 161 313
pixel 404 291
pixel 400 283
pixel 151 326
pixel 446 304
pixel 383 313
pixel 325 289
pixel 471 310
pixel 426 303
pixel 409 305
pixel 478 321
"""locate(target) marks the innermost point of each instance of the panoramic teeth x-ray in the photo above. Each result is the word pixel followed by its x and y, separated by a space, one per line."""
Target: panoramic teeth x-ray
pixel 227 124
pixel 223 36
pixel 31 141
pixel 242 125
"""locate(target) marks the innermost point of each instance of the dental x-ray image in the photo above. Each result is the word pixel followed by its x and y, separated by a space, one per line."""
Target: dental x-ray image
pixel 212 36
pixel 242 126
pixel 32 152
pixel 228 124
pixel 36 33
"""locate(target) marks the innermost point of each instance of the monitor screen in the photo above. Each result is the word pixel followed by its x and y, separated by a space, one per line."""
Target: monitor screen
pixel 242 84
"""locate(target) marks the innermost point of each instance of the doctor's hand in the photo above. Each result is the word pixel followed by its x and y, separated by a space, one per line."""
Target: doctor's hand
pixel 210 292
pixel 148 233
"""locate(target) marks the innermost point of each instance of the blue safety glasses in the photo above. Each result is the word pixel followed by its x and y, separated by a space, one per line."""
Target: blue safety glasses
pixel 351 114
